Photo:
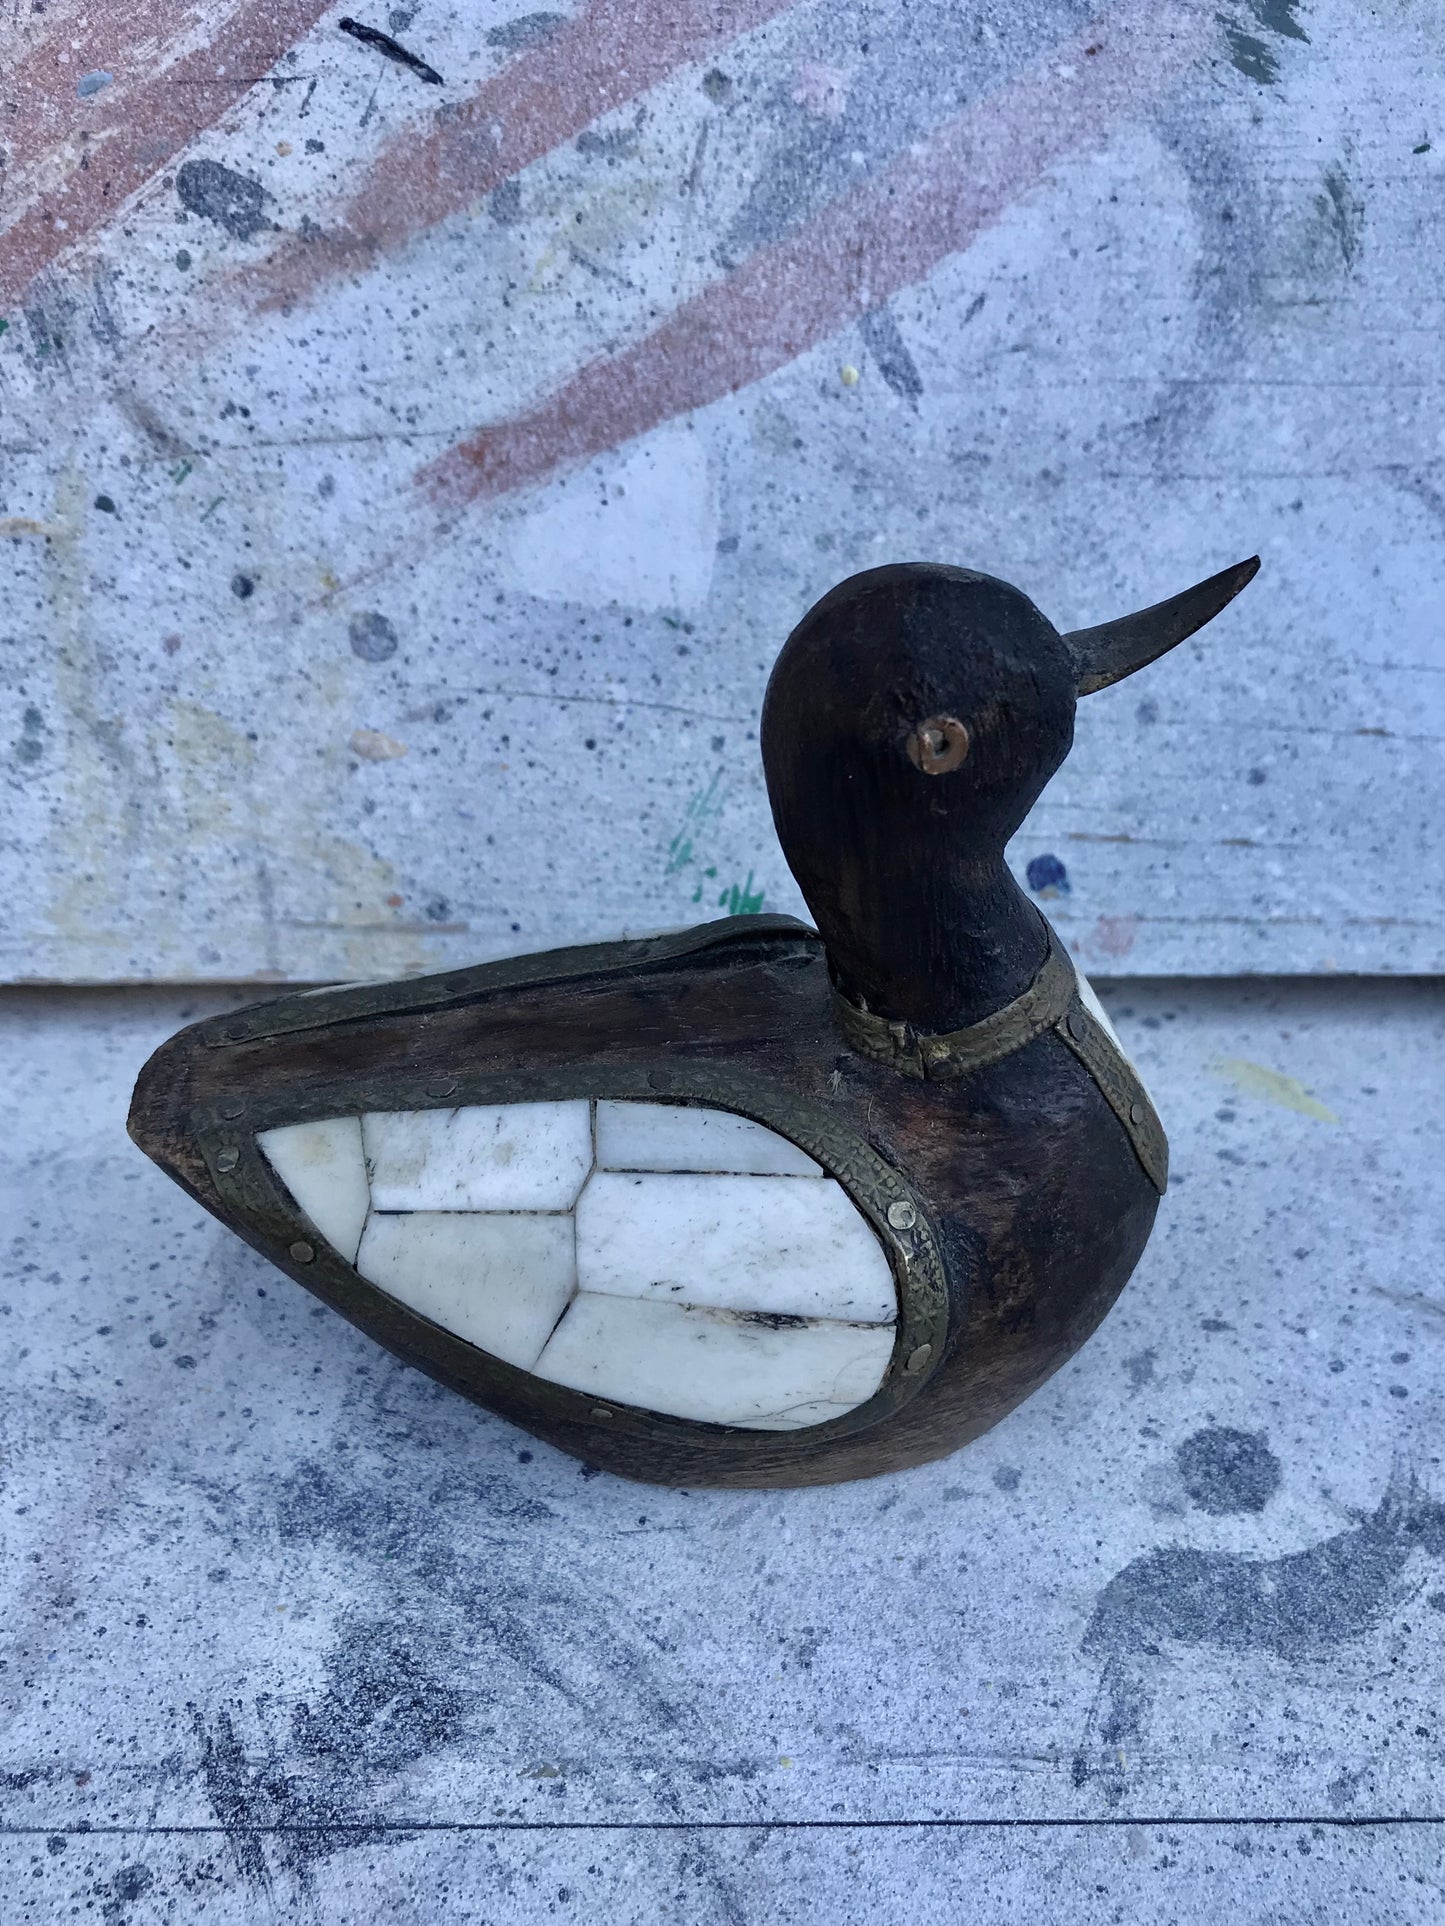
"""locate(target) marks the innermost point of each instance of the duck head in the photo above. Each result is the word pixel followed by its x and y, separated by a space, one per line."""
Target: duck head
pixel 910 723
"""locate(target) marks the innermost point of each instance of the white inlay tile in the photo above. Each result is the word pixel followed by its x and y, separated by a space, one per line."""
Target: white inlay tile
pixel 796 1246
pixel 322 1166
pixel 500 1282
pixel 666 1136
pixel 715 1366
pixel 1089 997
pixel 508 1156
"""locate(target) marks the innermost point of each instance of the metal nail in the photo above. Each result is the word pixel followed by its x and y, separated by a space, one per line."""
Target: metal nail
pixel 917 1359
pixel 902 1215
pixel 228 1158
pixel 302 1251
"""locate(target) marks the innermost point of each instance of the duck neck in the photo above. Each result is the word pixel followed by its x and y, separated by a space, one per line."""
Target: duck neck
pixel 964 946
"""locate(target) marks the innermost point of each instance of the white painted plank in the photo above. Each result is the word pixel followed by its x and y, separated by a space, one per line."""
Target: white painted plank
pixel 276 714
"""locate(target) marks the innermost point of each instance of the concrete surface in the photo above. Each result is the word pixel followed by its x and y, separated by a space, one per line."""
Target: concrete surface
pixel 291 1634
pixel 404 488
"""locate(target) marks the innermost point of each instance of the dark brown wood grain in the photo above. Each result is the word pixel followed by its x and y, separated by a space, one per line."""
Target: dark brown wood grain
pixel 912 718
pixel 1035 1195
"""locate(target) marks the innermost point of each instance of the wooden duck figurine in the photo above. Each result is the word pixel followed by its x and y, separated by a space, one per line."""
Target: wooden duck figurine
pixel 747 1205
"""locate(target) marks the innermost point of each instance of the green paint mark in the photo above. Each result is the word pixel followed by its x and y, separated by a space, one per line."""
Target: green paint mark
pixel 5 324
pixel 1272 1086
pixel 704 806
pixel 741 899
pixel 211 507
pixel 1423 148
pixel 180 471
pixel 710 871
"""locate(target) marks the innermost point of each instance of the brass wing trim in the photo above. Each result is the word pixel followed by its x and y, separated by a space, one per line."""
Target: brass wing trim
pixel 1051 1002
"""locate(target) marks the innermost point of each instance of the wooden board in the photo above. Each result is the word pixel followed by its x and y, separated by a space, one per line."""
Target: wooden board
pixel 405 486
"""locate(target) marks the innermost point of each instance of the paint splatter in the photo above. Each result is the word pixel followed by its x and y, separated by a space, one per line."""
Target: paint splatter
pixel 932 201
pixel 1048 877
pixel 220 194
pixel 741 899
pixel 1302 1605
pixel 1114 935
pixel 529 30
pixel 93 82
pixel 704 806
pixel 390 49
pixel 372 746
pixel 1272 1086
pixel 372 636
pixel 1254 57
pixel 1226 1471
pixel 1139 1369
pixel 890 351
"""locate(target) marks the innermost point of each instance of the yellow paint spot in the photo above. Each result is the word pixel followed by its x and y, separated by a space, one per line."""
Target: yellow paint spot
pixel 27 525
pixel 785 1762
pixel 373 746
pixel 1272 1086
pixel 848 375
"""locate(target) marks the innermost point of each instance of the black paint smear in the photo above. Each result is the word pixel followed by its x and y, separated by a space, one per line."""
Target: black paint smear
pixel 129 1884
pixel 219 194
pixel 393 49
pixel 528 31
pixel 1228 1471
pixel 372 636
pixel 890 352
pixel 1297 1607
pixel 1254 57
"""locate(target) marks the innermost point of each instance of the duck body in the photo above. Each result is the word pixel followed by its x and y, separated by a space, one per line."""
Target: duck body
pixel 750 1204
pixel 1023 1203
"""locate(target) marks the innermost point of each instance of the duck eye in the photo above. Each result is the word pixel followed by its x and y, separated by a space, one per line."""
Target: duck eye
pixel 938 745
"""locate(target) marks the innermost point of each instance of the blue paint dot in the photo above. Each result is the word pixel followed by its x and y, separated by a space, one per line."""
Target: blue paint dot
pixel 92 83
pixel 1047 875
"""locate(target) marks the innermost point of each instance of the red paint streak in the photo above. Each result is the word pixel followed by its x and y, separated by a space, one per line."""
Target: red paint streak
pixel 932 202
pixel 137 124
pixel 606 55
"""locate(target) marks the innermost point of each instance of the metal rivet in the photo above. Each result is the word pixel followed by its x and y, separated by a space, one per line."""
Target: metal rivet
pixel 228 1158
pixel 302 1251
pixel 442 1087
pixel 1136 1113
pixel 659 1080
pixel 237 1031
pixel 917 1359
pixel 233 1107
pixel 1076 1024
pixel 600 1411
pixel 902 1216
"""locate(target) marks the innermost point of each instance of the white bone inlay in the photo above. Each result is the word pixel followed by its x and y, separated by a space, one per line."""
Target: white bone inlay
pixel 512 1156
pixel 795 1246
pixel 668 1137
pixel 717 1367
pixel 703 1267
pixel 322 1166
pixel 500 1281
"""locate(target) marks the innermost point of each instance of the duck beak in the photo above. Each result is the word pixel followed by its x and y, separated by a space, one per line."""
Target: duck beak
pixel 1116 649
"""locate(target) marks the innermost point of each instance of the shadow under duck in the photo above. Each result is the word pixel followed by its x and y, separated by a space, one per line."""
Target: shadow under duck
pixel 747 1205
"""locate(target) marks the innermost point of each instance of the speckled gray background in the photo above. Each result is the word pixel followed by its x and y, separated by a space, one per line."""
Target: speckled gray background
pixel 408 486
pixel 292 1633
pixel 404 489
